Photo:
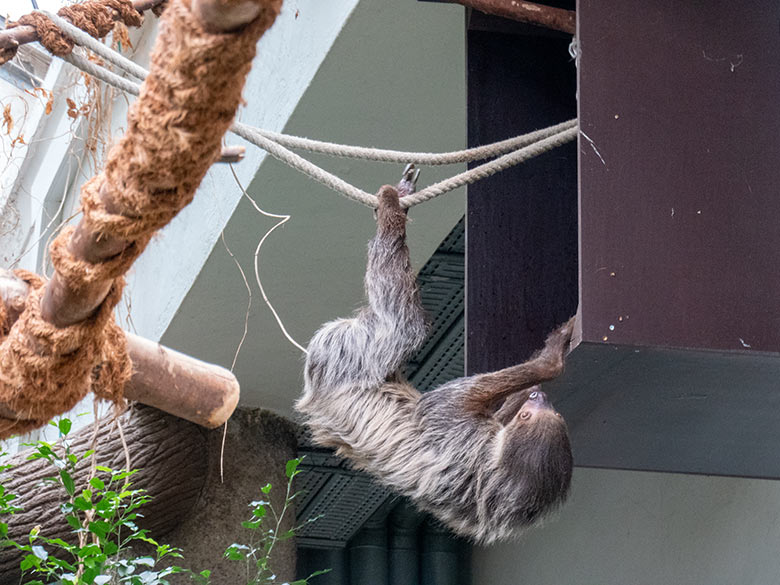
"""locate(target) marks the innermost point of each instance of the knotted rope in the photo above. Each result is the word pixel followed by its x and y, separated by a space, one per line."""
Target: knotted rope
pixel 45 370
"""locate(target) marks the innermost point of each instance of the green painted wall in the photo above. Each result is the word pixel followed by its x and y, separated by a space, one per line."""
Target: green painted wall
pixel 641 528
pixel 394 78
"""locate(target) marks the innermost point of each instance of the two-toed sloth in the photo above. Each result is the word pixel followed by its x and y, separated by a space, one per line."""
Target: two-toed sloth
pixel 487 455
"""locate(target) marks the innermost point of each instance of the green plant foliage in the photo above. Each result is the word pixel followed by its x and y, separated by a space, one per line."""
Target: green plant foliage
pixel 103 516
pixel 264 528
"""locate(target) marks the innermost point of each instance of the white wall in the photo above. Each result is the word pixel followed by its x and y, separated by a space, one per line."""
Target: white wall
pixel 639 528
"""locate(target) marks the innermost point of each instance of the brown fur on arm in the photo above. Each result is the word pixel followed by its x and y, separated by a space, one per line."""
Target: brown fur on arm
pixel 489 390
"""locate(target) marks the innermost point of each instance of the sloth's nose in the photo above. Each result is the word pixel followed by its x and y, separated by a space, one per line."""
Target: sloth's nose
pixel 540 398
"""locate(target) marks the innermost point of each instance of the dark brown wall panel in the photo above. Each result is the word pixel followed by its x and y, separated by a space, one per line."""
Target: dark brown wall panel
pixel 522 223
pixel 680 186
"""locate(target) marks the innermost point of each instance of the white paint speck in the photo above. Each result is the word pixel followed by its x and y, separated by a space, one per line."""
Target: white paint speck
pixel 742 341
pixel 611 327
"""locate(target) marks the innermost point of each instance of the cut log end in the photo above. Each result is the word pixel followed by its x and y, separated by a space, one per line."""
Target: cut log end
pixel 199 392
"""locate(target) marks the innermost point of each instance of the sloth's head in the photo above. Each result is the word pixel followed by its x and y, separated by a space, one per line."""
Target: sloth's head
pixel 536 451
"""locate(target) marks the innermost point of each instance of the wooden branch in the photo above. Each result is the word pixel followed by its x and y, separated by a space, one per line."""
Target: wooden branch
pixel 232 154
pixel 527 12
pixel 21 35
pixel 171 455
pixel 202 393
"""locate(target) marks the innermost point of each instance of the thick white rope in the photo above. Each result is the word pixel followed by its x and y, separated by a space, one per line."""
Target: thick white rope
pixel 419 158
pixel 513 150
pixel 490 168
pixel 301 164
pixel 95 70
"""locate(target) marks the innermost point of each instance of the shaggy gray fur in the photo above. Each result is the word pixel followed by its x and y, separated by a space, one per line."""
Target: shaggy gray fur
pixel 487 455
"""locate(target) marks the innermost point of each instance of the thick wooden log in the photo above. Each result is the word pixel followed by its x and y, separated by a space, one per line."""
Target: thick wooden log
pixel 170 453
pixel 203 393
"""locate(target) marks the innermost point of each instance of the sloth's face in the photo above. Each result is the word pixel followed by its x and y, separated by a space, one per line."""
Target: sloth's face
pixel 537 442
pixel 536 407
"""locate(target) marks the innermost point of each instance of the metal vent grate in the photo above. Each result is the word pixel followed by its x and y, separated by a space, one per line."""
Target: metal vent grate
pixel 342 498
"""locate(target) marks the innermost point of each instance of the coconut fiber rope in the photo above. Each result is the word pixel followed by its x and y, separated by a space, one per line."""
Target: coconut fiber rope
pixel 45 371
pixel 95 17
pixel 174 133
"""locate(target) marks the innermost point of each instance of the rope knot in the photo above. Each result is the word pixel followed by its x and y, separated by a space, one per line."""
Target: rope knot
pixel 95 17
pixel 45 370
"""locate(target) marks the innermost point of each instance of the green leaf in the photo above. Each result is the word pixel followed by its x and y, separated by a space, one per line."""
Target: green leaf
pixel 28 562
pixel 67 482
pixel 233 552
pixel 292 465
pixel 266 488
pixel 73 522
pixel 97 483
pixel 110 548
pixel 99 528
pixel 82 504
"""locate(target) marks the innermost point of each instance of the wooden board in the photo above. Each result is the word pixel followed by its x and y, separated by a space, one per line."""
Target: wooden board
pixel 522 223
pixel 680 207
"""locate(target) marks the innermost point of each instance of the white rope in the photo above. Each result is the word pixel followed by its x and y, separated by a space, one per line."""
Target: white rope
pixel 102 73
pixel 510 152
pixel 301 164
pixel 490 168
pixel 420 158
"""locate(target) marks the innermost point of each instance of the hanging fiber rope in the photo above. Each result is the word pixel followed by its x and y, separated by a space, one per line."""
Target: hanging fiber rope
pixel 65 340
pixel 510 152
